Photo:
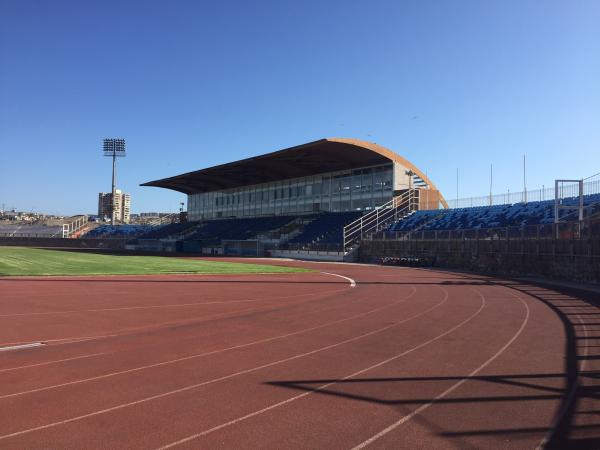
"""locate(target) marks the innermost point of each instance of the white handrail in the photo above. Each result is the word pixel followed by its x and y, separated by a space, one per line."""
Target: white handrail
pixel 377 218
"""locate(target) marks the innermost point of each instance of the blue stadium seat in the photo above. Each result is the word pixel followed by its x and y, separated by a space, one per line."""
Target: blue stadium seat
pixel 518 214
pixel 326 228
pixel 214 231
pixel 116 231
pixel 172 229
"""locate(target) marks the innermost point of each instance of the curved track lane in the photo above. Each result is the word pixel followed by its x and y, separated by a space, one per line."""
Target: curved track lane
pixel 349 356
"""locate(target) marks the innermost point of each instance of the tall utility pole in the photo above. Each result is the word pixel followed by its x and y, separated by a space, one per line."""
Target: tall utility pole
pixel 491 180
pixel 114 148
pixel 524 182
pixel 456 206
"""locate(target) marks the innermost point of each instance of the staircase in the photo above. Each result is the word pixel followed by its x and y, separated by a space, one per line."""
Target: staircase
pixel 378 219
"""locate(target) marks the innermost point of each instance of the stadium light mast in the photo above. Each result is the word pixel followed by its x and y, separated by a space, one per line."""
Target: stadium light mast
pixel 114 148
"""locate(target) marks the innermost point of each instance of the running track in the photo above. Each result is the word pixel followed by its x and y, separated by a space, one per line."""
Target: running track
pixel 406 358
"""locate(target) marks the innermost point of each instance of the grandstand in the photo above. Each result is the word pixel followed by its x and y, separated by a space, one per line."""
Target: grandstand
pixel 329 195
pixel 518 214
pixel 285 232
pixel 118 231
pixel 47 228
pixel 299 197
pixel 167 231
pixel 29 230
pixel 237 229
pixel 325 230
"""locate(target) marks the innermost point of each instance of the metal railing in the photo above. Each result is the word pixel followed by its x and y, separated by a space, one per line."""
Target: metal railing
pixel 533 246
pixel 164 220
pixel 535 195
pixel 75 225
pixel 374 221
pixel 572 230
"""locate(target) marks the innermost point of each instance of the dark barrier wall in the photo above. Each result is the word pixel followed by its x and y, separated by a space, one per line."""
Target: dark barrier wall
pixel 574 260
pixel 109 244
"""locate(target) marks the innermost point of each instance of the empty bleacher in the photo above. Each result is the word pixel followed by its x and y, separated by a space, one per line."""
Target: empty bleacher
pixel 326 229
pixel 118 231
pixel 518 214
pixel 27 230
pixel 166 231
pixel 214 231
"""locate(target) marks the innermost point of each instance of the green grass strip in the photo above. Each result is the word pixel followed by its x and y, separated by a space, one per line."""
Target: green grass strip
pixel 21 261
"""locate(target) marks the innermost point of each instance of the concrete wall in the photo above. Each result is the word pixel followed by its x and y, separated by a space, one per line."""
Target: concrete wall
pixel 311 255
pixel 573 260
pixel 109 244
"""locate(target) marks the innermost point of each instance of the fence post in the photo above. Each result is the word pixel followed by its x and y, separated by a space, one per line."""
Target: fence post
pixel 589 236
pixel 571 241
pixel 523 240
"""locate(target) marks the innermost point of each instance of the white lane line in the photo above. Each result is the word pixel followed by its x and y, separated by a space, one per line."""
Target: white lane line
pixel 146 328
pixel 126 331
pixel 190 357
pixel 352 282
pixel 47 363
pixel 124 308
pixel 127 308
pixel 22 346
pixel 232 375
pixel 324 386
pixel 455 386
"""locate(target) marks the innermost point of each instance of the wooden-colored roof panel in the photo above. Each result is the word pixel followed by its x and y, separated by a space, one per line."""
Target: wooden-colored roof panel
pixel 324 155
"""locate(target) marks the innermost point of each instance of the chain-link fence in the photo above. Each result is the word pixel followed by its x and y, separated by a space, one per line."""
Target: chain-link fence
pixel 590 187
pixel 576 239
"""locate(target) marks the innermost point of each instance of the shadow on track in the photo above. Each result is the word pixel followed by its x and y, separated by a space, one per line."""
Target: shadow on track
pixel 574 427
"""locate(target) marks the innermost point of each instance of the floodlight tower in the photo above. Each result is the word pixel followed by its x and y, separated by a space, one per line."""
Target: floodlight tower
pixel 114 148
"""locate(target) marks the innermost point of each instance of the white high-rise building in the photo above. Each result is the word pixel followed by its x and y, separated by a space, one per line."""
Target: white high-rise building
pixel 122 206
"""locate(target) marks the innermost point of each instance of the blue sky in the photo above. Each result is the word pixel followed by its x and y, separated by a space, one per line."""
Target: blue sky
pixel 190 84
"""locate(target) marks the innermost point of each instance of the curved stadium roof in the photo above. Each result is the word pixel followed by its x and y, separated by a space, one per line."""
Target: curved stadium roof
pixel 324 155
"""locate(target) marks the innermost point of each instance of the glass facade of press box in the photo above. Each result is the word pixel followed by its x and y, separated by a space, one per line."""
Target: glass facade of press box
pixel 349 190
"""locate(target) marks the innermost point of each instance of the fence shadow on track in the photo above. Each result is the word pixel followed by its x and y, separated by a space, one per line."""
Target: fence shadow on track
pixel 577 418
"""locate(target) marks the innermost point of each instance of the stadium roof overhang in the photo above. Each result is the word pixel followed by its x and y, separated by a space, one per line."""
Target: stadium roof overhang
pixel 324 155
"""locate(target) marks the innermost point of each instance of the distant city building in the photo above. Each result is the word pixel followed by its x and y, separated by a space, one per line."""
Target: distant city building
pixel 122 206
pixel 154 214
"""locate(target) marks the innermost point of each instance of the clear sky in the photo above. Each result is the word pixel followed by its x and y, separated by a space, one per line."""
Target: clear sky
pixel 190 84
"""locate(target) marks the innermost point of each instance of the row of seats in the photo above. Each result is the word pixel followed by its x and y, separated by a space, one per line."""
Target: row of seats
pixel 31 230
pixel 518 214
pixel 237 229
pixel 327 228
pixel 118 231
pixel 164 231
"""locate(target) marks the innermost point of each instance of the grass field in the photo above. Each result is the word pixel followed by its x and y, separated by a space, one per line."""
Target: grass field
pixel 18 261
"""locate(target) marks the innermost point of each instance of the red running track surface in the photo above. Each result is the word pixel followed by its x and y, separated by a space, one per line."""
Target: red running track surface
pixel 407 358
